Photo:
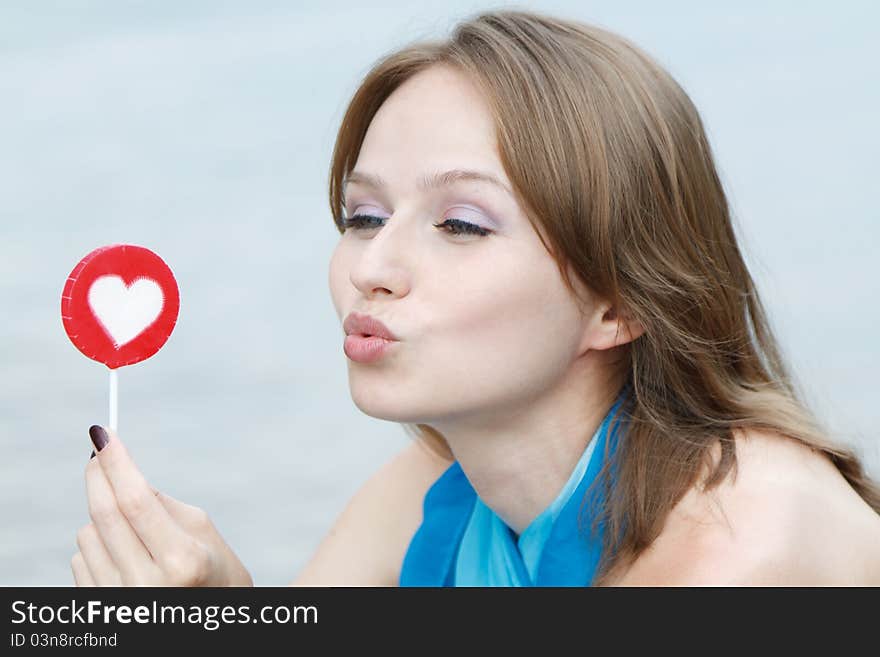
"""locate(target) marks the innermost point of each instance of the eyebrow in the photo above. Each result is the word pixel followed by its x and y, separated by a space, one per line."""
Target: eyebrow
pixel 430 181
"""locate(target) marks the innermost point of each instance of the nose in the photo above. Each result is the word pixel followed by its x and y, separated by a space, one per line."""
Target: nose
pixel 382 268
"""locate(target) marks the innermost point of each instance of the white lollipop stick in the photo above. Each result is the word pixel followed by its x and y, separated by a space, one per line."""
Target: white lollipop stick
pixel 114 399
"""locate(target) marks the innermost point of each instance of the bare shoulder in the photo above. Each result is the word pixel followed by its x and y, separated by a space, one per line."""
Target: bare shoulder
pixel 784 516
pixel 368 541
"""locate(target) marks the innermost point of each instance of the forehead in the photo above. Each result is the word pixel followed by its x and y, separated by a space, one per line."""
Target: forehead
pixel 437 118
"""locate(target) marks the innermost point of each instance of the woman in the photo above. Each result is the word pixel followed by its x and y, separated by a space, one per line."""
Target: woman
pixel 534 233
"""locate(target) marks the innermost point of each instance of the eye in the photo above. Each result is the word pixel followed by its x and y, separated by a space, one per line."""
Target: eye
pixel 460 226
pixel 361 221
pixel 451 225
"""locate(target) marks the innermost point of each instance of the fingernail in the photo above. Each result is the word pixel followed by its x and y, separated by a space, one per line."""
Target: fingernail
pixel 99 436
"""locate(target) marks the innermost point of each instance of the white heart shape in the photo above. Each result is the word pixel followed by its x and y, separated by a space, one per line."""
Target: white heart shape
pixel 125 311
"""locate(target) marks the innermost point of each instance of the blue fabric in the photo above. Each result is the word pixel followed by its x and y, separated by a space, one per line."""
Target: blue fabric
pixel 462 542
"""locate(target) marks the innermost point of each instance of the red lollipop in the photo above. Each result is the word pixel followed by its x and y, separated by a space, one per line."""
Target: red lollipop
pixel 119 306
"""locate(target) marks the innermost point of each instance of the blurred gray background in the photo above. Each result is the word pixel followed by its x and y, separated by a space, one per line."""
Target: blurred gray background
pixel 203 130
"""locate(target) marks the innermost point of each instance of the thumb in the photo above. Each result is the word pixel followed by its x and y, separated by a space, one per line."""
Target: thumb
pixel 185 514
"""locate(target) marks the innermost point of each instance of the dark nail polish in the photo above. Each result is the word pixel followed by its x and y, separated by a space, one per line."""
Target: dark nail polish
pixel 99 436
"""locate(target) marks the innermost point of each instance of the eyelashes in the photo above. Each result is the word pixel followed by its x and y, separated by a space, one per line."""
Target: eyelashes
pixel 451 226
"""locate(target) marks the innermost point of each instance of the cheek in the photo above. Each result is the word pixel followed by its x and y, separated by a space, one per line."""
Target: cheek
pixel 506 322
pixel 338 278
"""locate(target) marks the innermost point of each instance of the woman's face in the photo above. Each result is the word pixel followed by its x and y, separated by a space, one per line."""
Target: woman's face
pixel 485 322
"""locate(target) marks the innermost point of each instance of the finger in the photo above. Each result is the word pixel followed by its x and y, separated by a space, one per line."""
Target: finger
pixel 96 557
pixel 128 553
pixel 81 574
pixel 150 520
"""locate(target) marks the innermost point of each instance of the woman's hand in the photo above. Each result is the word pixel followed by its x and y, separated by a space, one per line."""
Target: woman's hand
pixel 139 536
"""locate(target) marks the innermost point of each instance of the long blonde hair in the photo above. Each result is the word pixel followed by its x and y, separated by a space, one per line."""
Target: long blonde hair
pixel 609 159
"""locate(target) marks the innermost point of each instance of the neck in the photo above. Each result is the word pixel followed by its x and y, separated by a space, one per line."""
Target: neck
pixel 518 459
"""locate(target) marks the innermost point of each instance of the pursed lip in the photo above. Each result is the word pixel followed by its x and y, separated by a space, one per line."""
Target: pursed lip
pixel 360 324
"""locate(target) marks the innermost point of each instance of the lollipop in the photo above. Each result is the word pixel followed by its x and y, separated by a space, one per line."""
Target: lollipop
pixel 119 306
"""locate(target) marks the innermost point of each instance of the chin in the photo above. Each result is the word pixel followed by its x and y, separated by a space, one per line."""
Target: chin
pixel 387 404
pixel 383 403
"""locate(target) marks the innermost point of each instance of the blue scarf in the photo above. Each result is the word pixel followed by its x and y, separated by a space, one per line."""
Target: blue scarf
pixel 462 542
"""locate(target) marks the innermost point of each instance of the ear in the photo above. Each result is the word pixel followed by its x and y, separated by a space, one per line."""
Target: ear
pixel 607 329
